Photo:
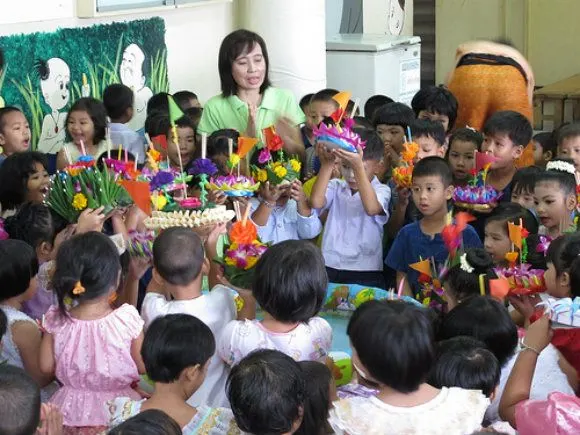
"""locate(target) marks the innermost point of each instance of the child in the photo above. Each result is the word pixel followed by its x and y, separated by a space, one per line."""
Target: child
pixel 150 422
pixel 524 184
pixel 158 103
pixel 179 266
pixel 19 402
pixel 267 393
pixel 23 178
pixel 488 321
pixel 505 133
pixel 291 297
pixel 461 154
pixel 320 393
pixel 217 148
pixel 21 344
pixel 400 364
pixel 176 352
pixel 186 100
pixel 391 122
pixel 305 104
pixel 497 242
pixel 569 143
pixel 374 103
pixel 436 103
pixel 14 132
pixel 545 148
pixel 92 348
pixel 431 190
pixel 430 136
pixel 555 197
pixel 118 100
pixel 357 211
pixel 86 124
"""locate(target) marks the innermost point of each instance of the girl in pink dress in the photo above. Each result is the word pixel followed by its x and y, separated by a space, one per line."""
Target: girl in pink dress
pixel 93 349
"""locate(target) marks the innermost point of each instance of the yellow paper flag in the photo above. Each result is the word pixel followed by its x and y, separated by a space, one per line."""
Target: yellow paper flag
pixel 342 99
pixel 423 266
pixel 515 234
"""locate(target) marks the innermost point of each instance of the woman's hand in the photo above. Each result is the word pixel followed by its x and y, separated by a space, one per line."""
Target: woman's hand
pixel 252 115
pixel 290 134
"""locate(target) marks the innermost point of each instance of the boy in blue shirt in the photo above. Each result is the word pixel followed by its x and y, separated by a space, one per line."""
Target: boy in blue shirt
pixel 431 189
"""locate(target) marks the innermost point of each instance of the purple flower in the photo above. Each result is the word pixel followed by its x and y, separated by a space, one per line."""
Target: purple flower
pixel 161 179
pixel 203 166
pixel 264 156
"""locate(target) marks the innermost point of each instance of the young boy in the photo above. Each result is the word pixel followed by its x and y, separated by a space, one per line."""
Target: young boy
pixel 431 190
pixel 179 265
pixel 545 148
pixel 505 135
pixel 436 103
pixel 523 185
pixel 569 143
pixel 186 100
pixel 391 122
pixel 374 103
pixel 357 211
pixel 14 132
pixel 118 100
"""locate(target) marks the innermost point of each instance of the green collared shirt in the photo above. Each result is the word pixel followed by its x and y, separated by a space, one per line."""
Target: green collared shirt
pixel 231 112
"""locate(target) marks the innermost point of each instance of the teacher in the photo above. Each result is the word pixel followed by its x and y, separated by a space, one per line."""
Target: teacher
pixel 248 102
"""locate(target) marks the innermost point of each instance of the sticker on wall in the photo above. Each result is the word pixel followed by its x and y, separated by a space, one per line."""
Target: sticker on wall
pixel 396 17
pixel 45 73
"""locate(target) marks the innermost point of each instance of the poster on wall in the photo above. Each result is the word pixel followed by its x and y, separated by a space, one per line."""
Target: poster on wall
pixel 44 73
pixel 389 17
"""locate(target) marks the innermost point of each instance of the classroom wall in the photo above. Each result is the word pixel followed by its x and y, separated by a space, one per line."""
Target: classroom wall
pixel 193 35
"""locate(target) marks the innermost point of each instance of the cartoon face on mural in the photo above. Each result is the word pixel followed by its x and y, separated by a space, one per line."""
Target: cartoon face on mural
pixel 396 16
pixel 132 75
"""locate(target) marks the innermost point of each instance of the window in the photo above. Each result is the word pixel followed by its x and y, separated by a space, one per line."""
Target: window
pixel 123 5
pixel 95 8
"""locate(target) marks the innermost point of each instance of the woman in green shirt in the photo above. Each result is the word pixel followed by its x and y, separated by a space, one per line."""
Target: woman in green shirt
pixel 248 103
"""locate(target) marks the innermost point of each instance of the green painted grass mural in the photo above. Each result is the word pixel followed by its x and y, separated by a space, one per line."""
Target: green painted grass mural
pixel 43 72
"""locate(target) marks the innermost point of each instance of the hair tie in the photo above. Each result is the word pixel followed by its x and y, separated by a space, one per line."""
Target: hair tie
pixel 482 284
pixel 464 264
pixel 78 289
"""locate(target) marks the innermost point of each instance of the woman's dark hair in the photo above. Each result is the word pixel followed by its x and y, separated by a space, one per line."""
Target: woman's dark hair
pixel 148 422
pixel 484 319
pixel 463 285
pixel 173 343
pixel 18 265
pixel 232 47
pixel 564 254
pixel 34 224
pixel 295 292
pixel 14 174
pixel 90 260
pixel 96 111
pixel 566 180
pixel 394 342
pixel 317 403
pixel 267 392
pixel 465 362
pixel 512 212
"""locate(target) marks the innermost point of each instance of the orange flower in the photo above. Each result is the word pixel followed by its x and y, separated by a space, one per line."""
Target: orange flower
pixel 410 151
pixel 241 233
pixel 511 257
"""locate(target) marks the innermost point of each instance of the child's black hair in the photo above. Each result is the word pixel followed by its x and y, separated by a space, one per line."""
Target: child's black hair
pixel 513 124
pixel 536 255
pixel 484 319
pixel 148 422
pixel 466 135
pixel 319 376
pixel 178 255
pixel 3 324
pixel 374 103
pixel 117 99
pixel 374 148
pixel 267 392
pixel 19 402
pixel 173 343
pixel 295 292
pixel 394 342
pixel 524 180
pixel 568 131
pixel 182 98
pixel 434 166
pixel 465 362
pixel 512 212
pixel 566 180
pixel 548 142
pixel 428 128
pixel 4 111
pixel 18 265
pixel 96 110
pixel 436 99
pixel 194 114
pixel 362 122
pixel 305 101
pixel 158 103
pixel 564 254
pixel 34 224
pixel 88 260
pixel 158 123
pixel 394 114
pixel 326 96
pixel 461 284
pixel 14 174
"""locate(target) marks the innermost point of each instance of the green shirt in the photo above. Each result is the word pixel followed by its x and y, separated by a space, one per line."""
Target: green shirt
pixel 231 112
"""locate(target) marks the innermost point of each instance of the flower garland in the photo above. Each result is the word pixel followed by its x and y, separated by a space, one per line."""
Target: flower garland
pixel 403 174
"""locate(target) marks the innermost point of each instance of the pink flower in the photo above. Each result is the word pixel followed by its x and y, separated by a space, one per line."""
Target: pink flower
pixel 264 156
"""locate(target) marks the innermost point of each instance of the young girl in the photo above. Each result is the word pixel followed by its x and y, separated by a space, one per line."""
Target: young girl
pixel 23 178
pixel 21 344
pixel 393 346
pixel 176 352
pixel 523 185
pixel 93 349
pixel 86 124
pixel 555 197
pixel 291 297
pixel 320 393
pixel 461 153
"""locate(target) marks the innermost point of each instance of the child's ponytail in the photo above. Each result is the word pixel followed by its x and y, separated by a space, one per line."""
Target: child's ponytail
pixel 471 276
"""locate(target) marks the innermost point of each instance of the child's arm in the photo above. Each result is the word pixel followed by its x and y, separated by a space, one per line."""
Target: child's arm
pixel 61 161
pixel 27 338
pixel 308 225
pixel 406 287
pixel 318 195
pixel 398 216
pixel 569 370
pixel 269 194
pixel 211 253
pixel 136 353
pixel 47 361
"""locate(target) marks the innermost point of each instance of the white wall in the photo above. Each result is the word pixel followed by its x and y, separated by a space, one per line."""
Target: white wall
pixel 193 35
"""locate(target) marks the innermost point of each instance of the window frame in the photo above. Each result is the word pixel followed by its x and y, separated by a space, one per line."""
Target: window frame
pixel 90 8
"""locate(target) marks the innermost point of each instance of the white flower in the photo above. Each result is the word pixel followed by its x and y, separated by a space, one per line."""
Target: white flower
pixel 561 166
pixel 464 265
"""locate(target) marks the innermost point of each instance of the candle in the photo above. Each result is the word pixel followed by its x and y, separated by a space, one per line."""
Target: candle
pixel 230 146
pixel 119 152
pixel 83 149
pixel 203 145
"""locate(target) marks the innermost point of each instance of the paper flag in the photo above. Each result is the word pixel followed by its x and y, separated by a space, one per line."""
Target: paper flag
pixel 337 115
pixel 483 159
pixel 139 192
pixel 245 145
pixel 160 140
pixel 272 141
pixel 515 234
pixel 499 288
pixel 423 267
pixel 174 111
pixel 342 99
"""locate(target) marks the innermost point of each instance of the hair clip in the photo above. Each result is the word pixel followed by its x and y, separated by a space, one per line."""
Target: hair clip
pixel 464 264
pixel 559 165
pixel 78 289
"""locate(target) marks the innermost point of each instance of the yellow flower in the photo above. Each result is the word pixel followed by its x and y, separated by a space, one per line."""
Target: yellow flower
pixel 261 175
pixel 280 171
pixel 276 165
pixel 295 165
pixel 251 262
pixel 158 201
pixel 79 201
pixel 74 171
pixel 230 261
pixel 234 160
pixel 239 303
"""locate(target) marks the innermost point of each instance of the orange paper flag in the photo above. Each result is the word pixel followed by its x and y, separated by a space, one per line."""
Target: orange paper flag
pixel 423 266
pixel 515 234
pixel 245 145
pixel 139 192
pixel 499 288
pixel 342 99
pixel 272 141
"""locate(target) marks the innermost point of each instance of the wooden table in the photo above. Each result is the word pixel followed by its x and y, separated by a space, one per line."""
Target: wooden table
pixel 557 93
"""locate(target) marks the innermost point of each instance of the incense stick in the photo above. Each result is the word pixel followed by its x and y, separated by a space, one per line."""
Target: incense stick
pixel 181 168
pixel 83 149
